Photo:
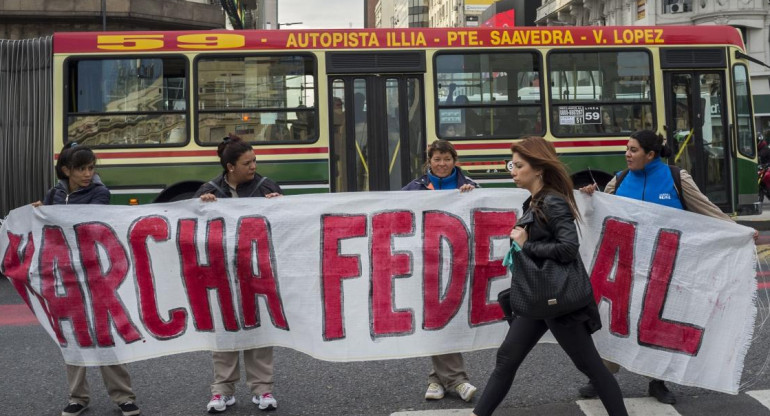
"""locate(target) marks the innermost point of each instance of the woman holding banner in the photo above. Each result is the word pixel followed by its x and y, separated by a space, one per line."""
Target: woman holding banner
pixel 79 184
pixel 240 180
pixel 549 234
pixel 649 179
pixel 442 174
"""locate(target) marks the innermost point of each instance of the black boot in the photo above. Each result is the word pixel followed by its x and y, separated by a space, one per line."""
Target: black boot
pixel 659 391
pixel 588 391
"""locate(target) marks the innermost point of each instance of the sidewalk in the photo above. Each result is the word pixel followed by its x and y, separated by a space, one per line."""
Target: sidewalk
pixel 759 222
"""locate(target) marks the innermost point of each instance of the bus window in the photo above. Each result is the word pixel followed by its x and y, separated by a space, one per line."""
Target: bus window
pixel 127 102
pixel 483 95
pixel 263 99
pixel 600 93
pixel 744 125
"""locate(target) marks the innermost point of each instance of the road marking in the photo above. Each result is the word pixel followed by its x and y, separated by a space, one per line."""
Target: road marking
pixel 442 412
pixel 762 396
pixel 16 315
pixel 643 406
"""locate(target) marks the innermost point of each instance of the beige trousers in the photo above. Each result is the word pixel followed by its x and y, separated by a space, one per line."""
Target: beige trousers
pixel 448 370
pixel 259 371
pixel 116 380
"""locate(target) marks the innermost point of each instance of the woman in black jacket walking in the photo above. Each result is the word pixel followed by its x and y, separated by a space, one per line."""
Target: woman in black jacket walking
pixel 547 230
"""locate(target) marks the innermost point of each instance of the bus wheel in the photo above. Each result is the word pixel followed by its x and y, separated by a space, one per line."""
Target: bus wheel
pixel 584 178
pixel 179 191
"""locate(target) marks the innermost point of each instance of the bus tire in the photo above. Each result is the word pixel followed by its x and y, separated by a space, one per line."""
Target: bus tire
pixel 178 191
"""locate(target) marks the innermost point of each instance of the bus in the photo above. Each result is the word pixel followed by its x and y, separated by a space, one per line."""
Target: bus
pixel 354 109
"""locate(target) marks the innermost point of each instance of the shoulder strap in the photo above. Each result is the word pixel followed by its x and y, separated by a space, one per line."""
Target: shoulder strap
pixel 218 188
pixel 676 173
pixel 619 179
pixel 256 188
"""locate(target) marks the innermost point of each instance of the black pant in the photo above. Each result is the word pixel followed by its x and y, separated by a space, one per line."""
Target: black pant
pixel 574 340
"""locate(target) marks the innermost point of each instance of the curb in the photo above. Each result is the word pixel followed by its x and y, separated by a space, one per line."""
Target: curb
pixel 758 224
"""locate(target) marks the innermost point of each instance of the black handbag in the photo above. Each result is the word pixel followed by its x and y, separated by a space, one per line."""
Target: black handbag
pixel 546 289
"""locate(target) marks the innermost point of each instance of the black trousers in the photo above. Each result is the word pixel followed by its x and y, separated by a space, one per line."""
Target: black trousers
pixel 574 340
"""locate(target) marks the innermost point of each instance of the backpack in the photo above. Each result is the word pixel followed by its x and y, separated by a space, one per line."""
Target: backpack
pixel 675 173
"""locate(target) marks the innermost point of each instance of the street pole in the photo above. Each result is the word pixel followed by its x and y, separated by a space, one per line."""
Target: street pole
pixel 104 15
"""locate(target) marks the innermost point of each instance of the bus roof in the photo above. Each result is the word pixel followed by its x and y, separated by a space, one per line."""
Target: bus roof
pixel 354 39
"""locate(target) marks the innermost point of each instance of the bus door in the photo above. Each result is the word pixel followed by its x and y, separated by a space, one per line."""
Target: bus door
pixel 377 137
pixel 377 122
pixel 696 128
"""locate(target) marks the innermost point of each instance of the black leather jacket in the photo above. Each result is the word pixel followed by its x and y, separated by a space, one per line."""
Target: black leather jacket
pixel 552 234
pixel 254 188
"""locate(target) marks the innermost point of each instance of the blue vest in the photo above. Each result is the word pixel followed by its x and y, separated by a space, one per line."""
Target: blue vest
pixel 450 182
pixel 653 184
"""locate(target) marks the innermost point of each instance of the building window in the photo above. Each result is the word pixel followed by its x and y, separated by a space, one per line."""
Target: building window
pixel 677 6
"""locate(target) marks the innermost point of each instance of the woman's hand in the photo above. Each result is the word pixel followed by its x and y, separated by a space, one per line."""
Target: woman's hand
pixel 467 188
pixel 519 235
pixel 589 189
pixel 273 195
pixel 756 236
pixel 40 204
pixel 208 198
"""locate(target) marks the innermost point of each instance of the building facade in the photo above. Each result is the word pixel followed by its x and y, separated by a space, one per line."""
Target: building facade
pixel 30 19
pixel 384 14
pixel 752 17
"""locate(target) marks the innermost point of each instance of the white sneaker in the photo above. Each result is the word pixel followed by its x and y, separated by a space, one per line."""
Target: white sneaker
pixel 466 391
pixel 265 401
pixel 435 392
pixel 219 403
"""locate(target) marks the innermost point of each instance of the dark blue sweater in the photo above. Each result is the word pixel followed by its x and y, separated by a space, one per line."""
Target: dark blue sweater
pixel 95 193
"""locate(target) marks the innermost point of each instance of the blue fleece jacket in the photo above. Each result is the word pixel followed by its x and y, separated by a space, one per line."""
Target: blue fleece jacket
pixel 653 184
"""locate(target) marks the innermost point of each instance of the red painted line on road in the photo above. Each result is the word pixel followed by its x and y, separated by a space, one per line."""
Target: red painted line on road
pixel 16 315
pixel 763 285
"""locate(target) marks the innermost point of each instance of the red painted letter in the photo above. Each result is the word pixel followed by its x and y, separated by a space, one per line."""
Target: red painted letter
pixel 387 266
pixel 653 329
pixel 56 260
pixel 336 267
pixel 616 250
pixel 102 285
pixel 438 227
pixel 156 228
pixel 487 225
pixel 254 234
pixel 200 278
pixel 16 264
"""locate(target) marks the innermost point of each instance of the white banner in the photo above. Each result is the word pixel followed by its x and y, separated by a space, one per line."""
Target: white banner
pixel 365 276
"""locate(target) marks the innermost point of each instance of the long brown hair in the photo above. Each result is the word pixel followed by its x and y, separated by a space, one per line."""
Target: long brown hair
pixel 541 155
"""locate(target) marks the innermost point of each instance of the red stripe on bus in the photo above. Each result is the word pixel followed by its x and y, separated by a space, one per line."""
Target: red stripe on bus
pixel 571 143
pixel 16 315
pixel 494 162
pixel 207 153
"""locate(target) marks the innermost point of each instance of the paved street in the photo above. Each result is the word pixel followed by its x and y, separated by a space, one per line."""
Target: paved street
pixel 32 380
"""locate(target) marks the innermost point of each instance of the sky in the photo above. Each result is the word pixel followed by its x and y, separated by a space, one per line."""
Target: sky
pixel 316 14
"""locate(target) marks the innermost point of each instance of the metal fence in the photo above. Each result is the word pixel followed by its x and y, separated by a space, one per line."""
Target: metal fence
pixel 26 122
